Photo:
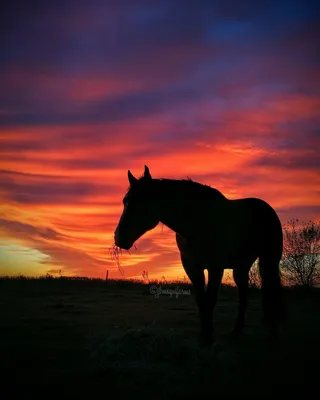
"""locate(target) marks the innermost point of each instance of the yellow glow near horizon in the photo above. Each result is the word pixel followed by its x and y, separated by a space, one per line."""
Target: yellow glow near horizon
pixel 20 260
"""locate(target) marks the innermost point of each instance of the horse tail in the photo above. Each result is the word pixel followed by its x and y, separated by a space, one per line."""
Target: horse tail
pixel 273 305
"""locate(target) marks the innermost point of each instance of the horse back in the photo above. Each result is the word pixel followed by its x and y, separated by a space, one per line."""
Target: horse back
pixel 239 229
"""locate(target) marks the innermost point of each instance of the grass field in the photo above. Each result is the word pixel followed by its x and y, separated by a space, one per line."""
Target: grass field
pixel 89 338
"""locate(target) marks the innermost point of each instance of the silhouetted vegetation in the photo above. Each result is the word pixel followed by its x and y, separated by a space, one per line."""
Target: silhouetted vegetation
pixel 301 255
pixel 254 276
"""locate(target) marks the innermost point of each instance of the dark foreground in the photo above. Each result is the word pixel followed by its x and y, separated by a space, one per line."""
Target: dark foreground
pixel 86 338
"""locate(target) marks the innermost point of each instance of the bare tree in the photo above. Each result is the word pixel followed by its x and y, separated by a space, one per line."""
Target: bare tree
pixel 254 276
pixel 301 253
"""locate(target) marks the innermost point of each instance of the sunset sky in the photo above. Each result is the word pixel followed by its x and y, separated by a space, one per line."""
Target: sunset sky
pixel 224 92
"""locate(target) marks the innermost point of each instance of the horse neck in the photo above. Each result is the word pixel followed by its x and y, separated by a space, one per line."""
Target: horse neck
pixel 175 208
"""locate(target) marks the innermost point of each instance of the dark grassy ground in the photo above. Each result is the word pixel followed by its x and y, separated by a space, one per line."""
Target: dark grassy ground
pixel 86 338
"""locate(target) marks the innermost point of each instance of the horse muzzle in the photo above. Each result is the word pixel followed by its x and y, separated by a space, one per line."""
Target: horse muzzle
pixel 122 243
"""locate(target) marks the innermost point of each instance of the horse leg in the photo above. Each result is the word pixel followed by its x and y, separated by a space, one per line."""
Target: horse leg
pixel 241 278
pixel 196 276
pixel 211 297
pixel 206 332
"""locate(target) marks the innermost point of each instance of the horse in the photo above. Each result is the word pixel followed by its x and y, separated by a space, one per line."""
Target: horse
pixel 213 233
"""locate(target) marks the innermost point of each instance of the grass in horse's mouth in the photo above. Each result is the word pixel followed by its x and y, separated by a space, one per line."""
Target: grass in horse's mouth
pixel 116 252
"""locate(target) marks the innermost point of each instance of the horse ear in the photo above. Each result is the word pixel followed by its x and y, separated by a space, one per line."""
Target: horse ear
pixel 147 173
pixel 132 179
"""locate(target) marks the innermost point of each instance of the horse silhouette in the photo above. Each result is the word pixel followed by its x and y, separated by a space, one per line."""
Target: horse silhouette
pixel 213 233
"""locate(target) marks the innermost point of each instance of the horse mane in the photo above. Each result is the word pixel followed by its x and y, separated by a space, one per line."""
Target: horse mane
pixel 199 189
